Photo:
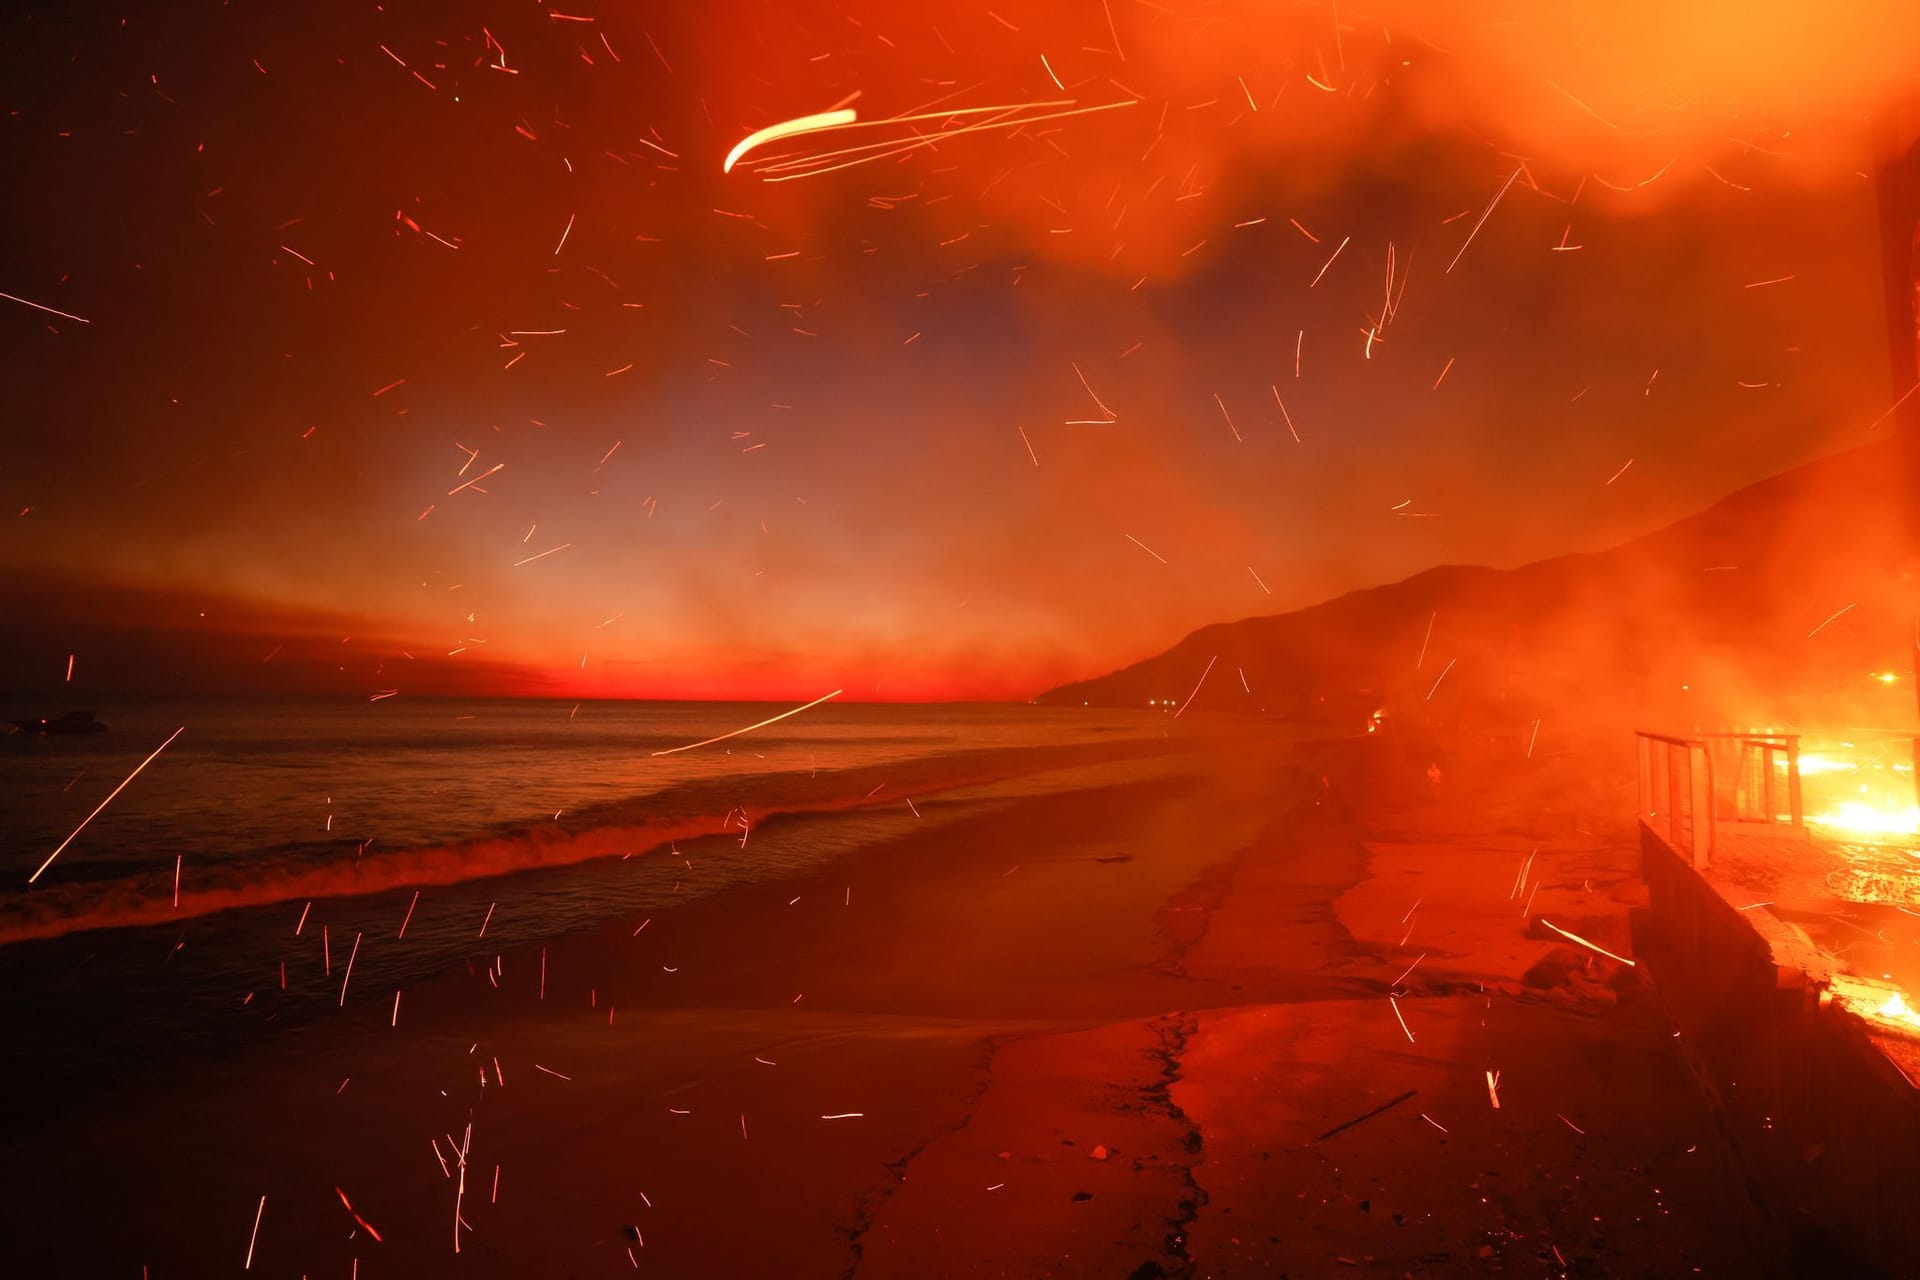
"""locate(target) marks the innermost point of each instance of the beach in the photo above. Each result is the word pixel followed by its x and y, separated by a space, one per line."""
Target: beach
pixel 1125 1017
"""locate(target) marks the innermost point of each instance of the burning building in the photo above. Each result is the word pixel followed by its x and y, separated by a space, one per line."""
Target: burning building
pixel 1783 868
pixel 1784 891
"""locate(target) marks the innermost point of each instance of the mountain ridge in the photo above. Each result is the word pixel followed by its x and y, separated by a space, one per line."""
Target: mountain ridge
pixel 1716 606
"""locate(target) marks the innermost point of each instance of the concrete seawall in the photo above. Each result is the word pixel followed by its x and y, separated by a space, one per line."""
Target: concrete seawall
pixel 1820 1105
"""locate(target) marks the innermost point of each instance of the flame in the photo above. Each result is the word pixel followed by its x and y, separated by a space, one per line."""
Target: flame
pixel 1862 818
pixel 1860 793
pixel 1879 1002
pixel 1897 1010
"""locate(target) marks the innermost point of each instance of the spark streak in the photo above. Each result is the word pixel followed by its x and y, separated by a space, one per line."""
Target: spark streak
pixel 1591 946
pixel 1144 547
pixel 1113 30
pixel 1229 417
pixel 109 800
pixel 49 310
pixel 496 467
pixel 787 129
pixel 543 555
pixel 255 1237
pixel 1485 214
pixel 788 167
pixel 1196 687
pixel 1401 1018
pixel 707 742
pixel 1329 262
pixel 1284 415
pixel 1810 635
pixel 1111 415
pixel 349 975
pixel 1029 444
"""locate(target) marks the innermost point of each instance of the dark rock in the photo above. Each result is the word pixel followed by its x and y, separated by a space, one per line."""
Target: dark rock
pixel 1556 969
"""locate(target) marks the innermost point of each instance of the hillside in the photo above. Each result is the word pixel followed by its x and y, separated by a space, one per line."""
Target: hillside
pixel 1721 617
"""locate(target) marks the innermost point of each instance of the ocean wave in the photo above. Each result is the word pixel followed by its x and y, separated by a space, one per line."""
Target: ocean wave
pixel 707 807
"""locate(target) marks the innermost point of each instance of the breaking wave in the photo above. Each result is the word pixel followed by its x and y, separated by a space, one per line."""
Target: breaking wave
pixel 692 810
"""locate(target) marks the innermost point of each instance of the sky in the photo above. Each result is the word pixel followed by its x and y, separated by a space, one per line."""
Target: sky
pixel 427 348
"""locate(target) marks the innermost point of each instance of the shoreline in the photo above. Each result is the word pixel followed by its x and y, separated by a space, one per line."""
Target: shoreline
pixel 1095 965
pixel 600 832
pixel 218 976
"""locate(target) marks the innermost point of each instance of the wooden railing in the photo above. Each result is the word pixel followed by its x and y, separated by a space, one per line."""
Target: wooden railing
pixel 1692 788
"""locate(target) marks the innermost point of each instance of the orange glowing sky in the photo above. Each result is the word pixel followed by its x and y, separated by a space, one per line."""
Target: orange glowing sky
pixel 785 437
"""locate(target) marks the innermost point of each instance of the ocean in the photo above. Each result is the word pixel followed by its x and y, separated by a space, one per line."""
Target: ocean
pixel 275 846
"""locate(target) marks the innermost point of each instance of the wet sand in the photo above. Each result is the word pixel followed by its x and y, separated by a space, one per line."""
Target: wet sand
pixel 1102 1029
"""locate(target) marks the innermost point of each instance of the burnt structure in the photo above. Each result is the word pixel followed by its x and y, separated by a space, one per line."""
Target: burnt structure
pixel 1806 1067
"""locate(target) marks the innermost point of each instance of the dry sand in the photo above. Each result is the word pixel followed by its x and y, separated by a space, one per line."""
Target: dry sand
pixel 1107 1028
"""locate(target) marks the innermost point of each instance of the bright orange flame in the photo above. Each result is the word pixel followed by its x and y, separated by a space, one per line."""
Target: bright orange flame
pixel 1860 817
pixel 1877 1003
pixel 1896 1009
pixel 1860 793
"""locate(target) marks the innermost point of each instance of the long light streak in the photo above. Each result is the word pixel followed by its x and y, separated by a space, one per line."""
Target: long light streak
pixel 1484 215
pixel 104 803
pixel 64 315
pixel 785 168
pixel 787 129
pixel 707 742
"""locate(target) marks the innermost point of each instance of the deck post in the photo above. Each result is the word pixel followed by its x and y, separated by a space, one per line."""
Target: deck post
pixel 1700 775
